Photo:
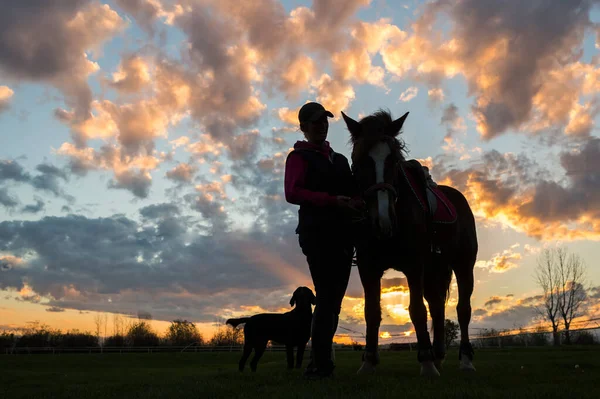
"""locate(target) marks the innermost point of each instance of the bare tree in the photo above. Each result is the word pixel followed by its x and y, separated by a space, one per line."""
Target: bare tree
pixel 98 324
pixel 572 275
pixel 561 277
pixel 547 278
pixel 118 327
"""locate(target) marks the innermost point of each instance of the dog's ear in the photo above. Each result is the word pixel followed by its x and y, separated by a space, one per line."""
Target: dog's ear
pixel 313 298
pixel 293 300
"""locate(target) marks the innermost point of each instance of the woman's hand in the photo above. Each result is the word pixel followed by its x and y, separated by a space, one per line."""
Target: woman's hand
pixel 354 204
pixel 343 202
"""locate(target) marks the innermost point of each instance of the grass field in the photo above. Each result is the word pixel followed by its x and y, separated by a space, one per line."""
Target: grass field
pixel 528 373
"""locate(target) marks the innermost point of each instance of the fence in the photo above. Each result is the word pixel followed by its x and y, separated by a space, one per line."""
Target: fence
pixel 483 338
pixel 150 349
pixel 587 333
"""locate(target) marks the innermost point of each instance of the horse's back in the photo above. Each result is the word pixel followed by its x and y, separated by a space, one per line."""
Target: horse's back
pixel 466 220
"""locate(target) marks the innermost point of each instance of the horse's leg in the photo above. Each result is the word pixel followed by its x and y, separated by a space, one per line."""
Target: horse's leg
pixel 465 282
pixel 371 282
pixel 436 298
pixel 418 315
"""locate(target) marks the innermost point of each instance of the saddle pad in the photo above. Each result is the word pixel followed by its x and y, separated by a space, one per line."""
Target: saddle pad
pixel 444 212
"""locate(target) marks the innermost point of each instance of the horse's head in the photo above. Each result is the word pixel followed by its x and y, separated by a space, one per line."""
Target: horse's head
pixel 376 150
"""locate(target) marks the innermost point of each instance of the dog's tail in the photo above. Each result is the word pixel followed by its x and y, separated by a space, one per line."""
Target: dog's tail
pixel 236 322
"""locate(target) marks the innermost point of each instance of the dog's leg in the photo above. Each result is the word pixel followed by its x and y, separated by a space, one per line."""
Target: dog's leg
pixel 289 351
pixel 245 355
pixel 300 355
pixel 259 349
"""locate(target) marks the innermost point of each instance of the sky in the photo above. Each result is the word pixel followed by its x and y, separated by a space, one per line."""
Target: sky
pixel 143 146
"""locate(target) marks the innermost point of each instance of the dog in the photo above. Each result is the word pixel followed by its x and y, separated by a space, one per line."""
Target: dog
pixel 291 329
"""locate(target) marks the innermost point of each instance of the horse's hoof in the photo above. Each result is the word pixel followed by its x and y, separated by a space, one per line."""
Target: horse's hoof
pixel 466 365
pixel 428 369
pixel 366 368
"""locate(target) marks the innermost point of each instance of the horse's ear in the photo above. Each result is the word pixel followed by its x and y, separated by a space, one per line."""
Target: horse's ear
pixel 353 126
pixel 396 125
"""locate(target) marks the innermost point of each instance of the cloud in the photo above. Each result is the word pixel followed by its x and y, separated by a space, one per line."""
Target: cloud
pixel 336 96
pixel 398 284
pixel 516 63
pixel 493 301
pixel 7 262
pixel 516 192
pixel 159 211
pixel 185 273
pixel 288 116
pixel 436 95
pixel 137 182
pixel 6 199
pixel 5 95
pixel 48 42
pixel 409 94
pixel 34 208
pixel 453 121
pixel 49 180
pixel 145 12
pixel 182 173
pixel 12 170
pixel 132 75
pixel 130 173
pixel 55 309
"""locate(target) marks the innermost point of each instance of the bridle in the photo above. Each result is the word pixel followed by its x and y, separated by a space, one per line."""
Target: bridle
pixel 377 187
pixel 373 189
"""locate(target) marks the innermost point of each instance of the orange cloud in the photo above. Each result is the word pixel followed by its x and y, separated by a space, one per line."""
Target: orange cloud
pixel 5 95
pixel 184 172
pixel 9 261
pixel 334 95
pixel 409 94
pixel 133 74
pixel 288 116
pixel 506 189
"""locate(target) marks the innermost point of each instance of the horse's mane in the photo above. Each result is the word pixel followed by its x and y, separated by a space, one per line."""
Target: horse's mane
pixel 374 128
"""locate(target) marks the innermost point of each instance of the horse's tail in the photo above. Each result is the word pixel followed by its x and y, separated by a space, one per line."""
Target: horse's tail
pixel 236 322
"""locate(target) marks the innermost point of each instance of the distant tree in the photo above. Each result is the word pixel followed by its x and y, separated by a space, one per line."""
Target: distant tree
pixel 115 340
pixel 37 335
pixel 561 276
pixel 451 330
pixel 227 336
pixel 141 334
pixel 539 337
pixel 98 327
pixel 76 339
pixel 183 332
pixel 7 340
pixel 584 338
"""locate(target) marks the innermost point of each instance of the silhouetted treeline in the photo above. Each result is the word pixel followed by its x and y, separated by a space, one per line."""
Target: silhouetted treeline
pixel 538 337
pixel 46 337
pixel 137 334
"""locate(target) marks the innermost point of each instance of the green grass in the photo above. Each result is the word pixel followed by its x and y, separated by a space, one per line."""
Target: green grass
pixel 528 373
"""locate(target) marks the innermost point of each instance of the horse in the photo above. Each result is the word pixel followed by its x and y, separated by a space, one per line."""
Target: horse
pixel 400 232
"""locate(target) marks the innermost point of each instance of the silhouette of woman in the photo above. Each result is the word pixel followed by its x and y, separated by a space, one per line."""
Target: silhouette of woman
pixel 321 182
